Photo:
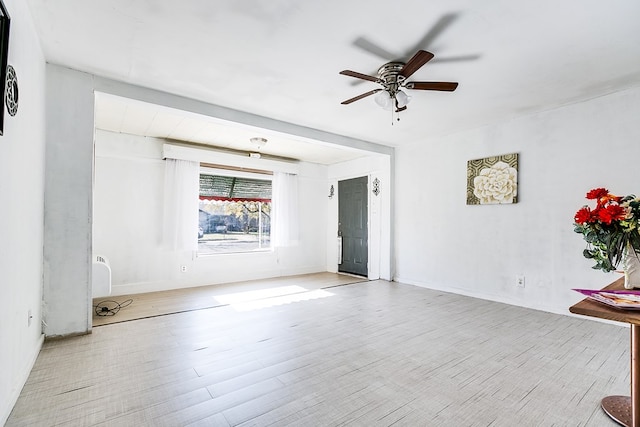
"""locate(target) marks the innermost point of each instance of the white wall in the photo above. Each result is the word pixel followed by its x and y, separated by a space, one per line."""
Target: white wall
pixel 478 250
pixel 128 200
pixel 22 149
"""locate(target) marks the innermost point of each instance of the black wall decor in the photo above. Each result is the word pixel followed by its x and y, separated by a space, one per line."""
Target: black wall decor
pixel 11 91
pixel 4 56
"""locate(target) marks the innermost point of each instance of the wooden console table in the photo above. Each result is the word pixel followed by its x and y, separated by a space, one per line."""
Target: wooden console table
pixel 623 409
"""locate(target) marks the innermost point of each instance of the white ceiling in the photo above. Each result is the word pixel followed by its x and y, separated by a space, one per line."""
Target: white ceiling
pixel 117 114
pixel 280 59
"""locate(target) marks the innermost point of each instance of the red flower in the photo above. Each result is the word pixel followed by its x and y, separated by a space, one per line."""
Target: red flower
pixel 583 216
pixel 597 193
pixel 611 213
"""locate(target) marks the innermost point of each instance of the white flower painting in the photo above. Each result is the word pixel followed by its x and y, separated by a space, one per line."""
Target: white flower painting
pixel 493 180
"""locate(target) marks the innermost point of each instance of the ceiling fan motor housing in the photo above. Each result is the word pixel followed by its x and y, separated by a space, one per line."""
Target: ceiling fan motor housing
pixel 390 76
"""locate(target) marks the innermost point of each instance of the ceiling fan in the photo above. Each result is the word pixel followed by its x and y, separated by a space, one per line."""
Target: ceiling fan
pixel 393 76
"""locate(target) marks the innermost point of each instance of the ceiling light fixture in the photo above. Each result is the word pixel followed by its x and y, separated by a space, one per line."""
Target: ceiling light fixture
pixel 258 142
pixel 391 98
pixel 388 101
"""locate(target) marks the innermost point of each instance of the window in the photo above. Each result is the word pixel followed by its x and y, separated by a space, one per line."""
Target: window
pixel 234 213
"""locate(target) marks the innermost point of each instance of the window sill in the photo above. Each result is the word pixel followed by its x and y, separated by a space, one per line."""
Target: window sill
pixel 214 254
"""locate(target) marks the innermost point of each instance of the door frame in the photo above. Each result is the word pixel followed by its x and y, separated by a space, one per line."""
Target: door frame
pixel 379 212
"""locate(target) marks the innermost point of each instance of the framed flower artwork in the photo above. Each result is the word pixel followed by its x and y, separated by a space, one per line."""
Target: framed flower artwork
pixel 493 180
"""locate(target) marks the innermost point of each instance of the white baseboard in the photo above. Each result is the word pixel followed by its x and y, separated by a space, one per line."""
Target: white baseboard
pixel 480 295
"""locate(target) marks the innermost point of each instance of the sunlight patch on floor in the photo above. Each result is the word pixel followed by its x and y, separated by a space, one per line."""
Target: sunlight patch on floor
pixel 264 298
pixel 239 297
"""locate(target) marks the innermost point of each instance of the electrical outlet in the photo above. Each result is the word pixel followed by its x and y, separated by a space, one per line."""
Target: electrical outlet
pixel 183 268
pixel 520 281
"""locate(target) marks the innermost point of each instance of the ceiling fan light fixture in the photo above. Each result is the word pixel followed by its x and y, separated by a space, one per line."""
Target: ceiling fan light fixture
pixel 384 100
pixel 402 98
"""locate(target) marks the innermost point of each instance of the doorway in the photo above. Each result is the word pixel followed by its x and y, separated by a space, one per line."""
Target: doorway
pixel 353 226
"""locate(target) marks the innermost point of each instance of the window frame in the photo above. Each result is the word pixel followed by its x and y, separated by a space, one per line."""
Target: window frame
pixel 222 170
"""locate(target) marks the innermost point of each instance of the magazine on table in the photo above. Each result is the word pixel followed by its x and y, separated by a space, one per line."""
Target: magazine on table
pixel 626 299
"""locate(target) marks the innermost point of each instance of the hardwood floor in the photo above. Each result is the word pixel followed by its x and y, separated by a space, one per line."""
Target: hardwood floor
pixel 178 300
pixel 365 354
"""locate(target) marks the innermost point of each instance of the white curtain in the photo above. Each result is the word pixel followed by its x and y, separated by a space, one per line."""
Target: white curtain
pixel 181 188
pixel 284 203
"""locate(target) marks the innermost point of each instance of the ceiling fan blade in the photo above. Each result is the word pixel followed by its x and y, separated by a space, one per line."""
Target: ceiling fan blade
pixel 440 26
pixel 418 60
pixel 373 48
pixel 364 95
pixel 358 75
pixel 444 86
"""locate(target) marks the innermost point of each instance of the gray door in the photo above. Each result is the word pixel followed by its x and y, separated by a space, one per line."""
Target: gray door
pixel 352 218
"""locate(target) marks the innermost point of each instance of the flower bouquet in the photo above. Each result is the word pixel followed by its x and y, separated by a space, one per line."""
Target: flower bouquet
pixel 611 232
